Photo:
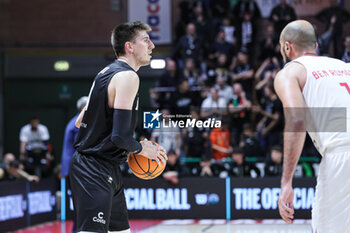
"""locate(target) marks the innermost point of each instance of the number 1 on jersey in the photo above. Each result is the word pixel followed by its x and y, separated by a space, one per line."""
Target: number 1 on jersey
pixel 346 86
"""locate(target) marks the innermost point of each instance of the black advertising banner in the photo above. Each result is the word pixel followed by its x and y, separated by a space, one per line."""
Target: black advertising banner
pixel 42 201
pixel 13 205
pixel 192 198
pixel 24 203
pixel 257 198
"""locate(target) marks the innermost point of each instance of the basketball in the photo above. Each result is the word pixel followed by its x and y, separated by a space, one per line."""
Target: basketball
pixel 143 167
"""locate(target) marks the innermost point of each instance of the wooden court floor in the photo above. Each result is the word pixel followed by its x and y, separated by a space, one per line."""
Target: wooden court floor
pixel 190 226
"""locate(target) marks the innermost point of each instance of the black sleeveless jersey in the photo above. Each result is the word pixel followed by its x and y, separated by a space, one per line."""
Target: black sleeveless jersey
pixel 94 137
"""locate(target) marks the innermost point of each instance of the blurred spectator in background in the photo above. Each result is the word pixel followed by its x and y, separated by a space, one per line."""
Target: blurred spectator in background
pixel 274 165
pixel 12 169
pixel 249 142
pixel 34 148
pixel 229 30
pixel 239 167
pixel 166 85
pixel 183 99
pixel 186 15
pixel 243 73
pixel 221 46
pixel 191 73
pixel 281 15
pixel 219 9
pixel 220 142
pixel 174 170
pixel 346 54
pixel 213 106
pixel 239 110
pixel 169 138
pixel 339 16
pixel 189 46
pixel 265 74
pixel 224 90
pixel 218 66
pixel 246 34
pixel 246 6
pixel 70 135
pixel 268 44
pixel 194 138
pixel 204 27
pixel 324 40
pixel 270 126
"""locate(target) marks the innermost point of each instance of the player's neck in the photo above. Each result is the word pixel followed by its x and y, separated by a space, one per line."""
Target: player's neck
pixel 298 54
pixel 129 61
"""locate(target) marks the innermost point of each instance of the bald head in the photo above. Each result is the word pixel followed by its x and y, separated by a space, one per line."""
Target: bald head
pixel 300 33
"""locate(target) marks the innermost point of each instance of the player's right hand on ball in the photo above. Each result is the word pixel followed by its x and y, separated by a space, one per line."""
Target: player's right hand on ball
pixel 155 152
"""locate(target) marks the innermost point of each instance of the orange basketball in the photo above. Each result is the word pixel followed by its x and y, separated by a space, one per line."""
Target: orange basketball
pixel 143 167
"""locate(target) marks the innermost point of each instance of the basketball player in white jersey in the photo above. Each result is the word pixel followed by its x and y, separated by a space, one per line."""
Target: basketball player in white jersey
pixel 305 83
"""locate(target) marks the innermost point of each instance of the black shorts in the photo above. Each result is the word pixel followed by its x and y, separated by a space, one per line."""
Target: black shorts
pixel 98 195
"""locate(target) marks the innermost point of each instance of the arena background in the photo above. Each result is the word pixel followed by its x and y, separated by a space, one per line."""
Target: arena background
pixel 49 54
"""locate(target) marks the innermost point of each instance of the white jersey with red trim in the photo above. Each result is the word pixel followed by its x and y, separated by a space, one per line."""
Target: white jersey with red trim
pixel 327 95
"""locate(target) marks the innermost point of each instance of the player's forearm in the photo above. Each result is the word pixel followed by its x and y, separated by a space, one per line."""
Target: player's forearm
pixel 293 144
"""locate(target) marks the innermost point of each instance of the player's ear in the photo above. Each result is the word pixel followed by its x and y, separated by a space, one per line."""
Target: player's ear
pixel 287 47
pixel 128 47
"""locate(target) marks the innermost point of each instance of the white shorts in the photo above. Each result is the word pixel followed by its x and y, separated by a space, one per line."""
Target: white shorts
pixel 331 207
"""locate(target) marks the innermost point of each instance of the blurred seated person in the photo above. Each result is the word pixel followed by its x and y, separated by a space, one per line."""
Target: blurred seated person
pixel 266 74
pixel 224 89
pixel 268 44
pixel 194 138
pixel 275 164
pixel 218 66
pixel 221 46
pixel 174 170
pixel 229 29
pixel 220 142
pixel 160 96
pixel 243 73
pixel 246 6
pixel 246 34
pixel 281 15
pixel 239 167
pixel 239 110
pixel 183 99
pixel 188 46
pixel 169 138
pixel 270 126
pixel 213 106
pixel 34 148
pixel 191 73
pixel 249 142
pixel 11 169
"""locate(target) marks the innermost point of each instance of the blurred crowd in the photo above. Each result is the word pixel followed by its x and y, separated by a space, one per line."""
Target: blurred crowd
pixel 222 66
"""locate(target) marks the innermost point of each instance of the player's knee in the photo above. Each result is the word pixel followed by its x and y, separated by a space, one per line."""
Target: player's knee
pixel 124 231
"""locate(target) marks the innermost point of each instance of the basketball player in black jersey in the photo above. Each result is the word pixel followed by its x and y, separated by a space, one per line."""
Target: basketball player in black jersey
pixel 105 136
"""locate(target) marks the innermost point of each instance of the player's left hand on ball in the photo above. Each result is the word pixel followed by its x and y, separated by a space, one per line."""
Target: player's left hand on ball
pixel 285 203
pixel 153 152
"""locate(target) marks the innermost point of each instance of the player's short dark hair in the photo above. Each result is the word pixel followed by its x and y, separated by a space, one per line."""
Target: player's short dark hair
pixel 126 32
